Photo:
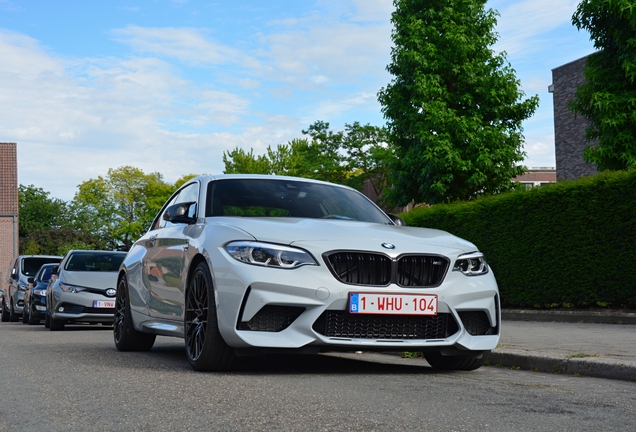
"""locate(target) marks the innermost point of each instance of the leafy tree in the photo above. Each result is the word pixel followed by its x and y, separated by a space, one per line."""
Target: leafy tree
pixel 351 157
pixel 120 207
pixel 38 211
pixel 238 161
pixel 454 107
pixel 607 98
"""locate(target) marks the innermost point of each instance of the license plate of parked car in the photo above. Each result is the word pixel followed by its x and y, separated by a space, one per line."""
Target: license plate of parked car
pixel 393 304
pixel 104 303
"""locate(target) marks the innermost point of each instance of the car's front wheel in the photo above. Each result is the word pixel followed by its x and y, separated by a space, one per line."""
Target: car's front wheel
pixel 5 312
pixel 32 319
pixel 438 361
pixel 55 325
pixel 124 333
pixel 47 320
pixel 13 316
pixel 205 347
pixel 25 315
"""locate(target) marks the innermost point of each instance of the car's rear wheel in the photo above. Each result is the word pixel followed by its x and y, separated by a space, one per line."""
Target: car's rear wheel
pixel 13 316
pixel 124 333
pixel 32 319
pixel 438 361
pixel 205 347
pixel 5 312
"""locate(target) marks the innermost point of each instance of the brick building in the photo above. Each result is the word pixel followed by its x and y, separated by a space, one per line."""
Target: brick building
pixel 569 130
pixel 8 207
pixel 537 177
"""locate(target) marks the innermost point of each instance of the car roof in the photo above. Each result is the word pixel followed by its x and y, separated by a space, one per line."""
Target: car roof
pixel 265 177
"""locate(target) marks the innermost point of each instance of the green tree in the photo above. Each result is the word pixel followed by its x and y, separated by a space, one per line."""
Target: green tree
pixel 607 98
pixel 354 156
pixel 120 207
pixel 238 161
pixel 454 108
pixel 38 211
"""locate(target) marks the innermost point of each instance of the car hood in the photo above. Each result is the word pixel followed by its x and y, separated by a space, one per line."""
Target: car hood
pixel 347 234
pixel 101 280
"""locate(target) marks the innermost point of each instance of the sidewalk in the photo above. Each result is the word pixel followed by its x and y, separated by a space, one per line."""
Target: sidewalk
pixel 578 343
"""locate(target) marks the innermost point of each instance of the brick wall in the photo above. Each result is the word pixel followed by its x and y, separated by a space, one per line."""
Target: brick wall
pixel 8 207
pixel 569 131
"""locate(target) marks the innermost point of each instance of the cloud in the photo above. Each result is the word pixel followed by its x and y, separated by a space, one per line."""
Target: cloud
pixel 184 44
pixel 522 22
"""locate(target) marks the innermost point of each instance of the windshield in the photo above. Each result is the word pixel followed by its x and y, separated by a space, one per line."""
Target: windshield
pixel 289 198
pixel 45 274
pixel 99 261
pixel 31 265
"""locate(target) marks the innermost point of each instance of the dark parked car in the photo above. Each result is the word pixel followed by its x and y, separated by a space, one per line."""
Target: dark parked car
pixel 35 296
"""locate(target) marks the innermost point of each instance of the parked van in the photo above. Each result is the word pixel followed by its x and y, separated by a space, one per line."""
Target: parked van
pixel 24 267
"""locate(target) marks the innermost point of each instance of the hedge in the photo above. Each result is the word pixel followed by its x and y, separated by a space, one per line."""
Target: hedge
pixel 568 244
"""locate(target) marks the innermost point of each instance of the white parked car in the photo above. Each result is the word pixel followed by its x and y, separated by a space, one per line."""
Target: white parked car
pixel 244 264
pixel 82 289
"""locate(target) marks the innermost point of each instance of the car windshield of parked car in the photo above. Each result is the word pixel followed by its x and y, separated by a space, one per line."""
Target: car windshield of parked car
pixel 101 262
pixel 45 274
pixel 289 198
pixel 31 265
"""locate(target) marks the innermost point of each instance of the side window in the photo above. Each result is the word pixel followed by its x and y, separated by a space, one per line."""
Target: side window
pixel 188 193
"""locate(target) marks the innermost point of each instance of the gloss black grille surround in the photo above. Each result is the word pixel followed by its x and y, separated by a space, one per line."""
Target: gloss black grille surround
pixel 374 269
pixel 342 324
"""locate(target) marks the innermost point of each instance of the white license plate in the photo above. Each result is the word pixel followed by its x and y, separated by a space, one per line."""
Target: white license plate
pixel 393 304
pixel 104 303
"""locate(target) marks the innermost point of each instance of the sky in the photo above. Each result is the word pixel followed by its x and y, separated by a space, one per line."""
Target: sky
pixel 168 86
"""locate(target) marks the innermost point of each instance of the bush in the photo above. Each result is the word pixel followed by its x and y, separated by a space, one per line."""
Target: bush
pixel 569 243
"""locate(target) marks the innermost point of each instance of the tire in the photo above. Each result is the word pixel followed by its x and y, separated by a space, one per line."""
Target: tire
pixel 32 319
pixel 205 348
pixel 47 320
pixel 13 316
pixel 124 333
pixel 56 325
pixel 25 315
pixel 438 361
pixel 5 312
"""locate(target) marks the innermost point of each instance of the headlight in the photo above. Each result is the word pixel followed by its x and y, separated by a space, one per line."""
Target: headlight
pixel 472 264
pixel 269 255
pixel 40 292
pixel 71 288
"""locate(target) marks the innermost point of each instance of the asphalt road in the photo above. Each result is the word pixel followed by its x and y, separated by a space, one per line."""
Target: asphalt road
pixel 77 381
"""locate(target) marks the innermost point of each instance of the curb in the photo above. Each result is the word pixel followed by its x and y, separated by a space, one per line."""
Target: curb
pixel 598 317
pixel 597 367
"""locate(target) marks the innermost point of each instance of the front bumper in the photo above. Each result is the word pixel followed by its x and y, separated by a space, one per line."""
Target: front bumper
pixel 38 306
pixel 265 309
pixel 80 307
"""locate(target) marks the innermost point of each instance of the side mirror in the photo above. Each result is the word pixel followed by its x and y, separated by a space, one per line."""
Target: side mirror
pixel 31 280
pixel 14 276
pixel 396 219
pixel 180 213
pixel 55 270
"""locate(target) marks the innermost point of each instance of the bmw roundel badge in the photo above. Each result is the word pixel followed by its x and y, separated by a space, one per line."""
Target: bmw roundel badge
pixel 388 246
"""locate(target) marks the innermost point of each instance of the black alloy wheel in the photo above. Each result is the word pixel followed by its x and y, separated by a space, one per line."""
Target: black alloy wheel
pixel 124 333
pixel 13 316
pixel 205 347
